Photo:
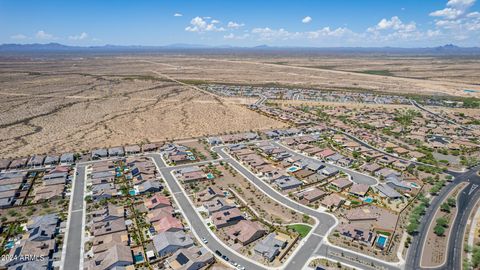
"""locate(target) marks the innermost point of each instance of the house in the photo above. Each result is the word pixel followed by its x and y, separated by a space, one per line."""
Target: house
pixel 116 151
pixel 159 213
pixel 330 171
pixel 167 243
pixel 310 195
pixel 325 153
pixel 245 232
pixel 25 249
pixel 226 218
pixel 149 147
pixel 386 191
pixel 341 183
pixel 217 205
pixel 104 191
pixel 99 153
pixel 35 161
pixel 51 160
pixel 107 227
pixel 371 167
pixel 386 172
pixel 149 186
pixel 192 258
pixel 67 158
pixel 108 213
pixel 107 241
pixel 116 257
pixel 315 166
pixel 156 201
pixel 42 228
pixel 361 234
pixel 287 182
pixel 18 163
pixel 332 201
pixel 270 246
pixel 211 192
pixel 132 149
pixel 50 192
pixel 168 224
pixel 359 190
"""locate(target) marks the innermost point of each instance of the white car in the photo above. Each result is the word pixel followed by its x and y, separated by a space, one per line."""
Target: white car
pixel 205 240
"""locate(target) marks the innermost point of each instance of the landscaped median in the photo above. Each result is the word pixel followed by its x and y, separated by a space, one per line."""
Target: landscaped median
pixel 436 243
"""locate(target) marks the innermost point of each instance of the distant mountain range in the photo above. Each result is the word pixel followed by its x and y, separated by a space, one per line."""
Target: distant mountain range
pixel 448 49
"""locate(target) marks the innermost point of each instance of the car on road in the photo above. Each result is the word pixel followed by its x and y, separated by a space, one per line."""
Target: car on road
pixel 204 240
pixel 225 258
pixel 218 253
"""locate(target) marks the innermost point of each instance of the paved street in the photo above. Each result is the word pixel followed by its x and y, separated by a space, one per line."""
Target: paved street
pixel 313 242
pixel 190 213
pixel 73 256
pixel 465 204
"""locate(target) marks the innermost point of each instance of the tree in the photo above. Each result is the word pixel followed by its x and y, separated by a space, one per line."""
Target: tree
pixel 439 230
pixel 445 207
pixel 442 221
pixel 452 202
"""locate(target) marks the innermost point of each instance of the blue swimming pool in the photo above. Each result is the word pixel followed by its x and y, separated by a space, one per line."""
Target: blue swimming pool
pixel 292 169
pixel 470 91
pixel 9 245
pixel 382 241
pixel 368 200
pixel 210 176
pixel 132 192
pixel 138 258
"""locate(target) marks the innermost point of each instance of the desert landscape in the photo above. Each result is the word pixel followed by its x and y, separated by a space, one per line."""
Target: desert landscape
pixel 58 104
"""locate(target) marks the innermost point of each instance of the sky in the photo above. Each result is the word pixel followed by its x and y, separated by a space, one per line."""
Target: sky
pixel 306 23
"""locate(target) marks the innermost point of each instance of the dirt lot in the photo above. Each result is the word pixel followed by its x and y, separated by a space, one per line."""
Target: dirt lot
pixel 60 106
pixel 76 103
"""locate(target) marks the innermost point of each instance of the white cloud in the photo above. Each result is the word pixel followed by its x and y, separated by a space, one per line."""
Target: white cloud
pixel 238 37
pixel 235 25
pixel 307 19
pixel 177 15
pixel 326 31
pixel 454 9
pixel 44 35
pixel 393 23
pixel 267 33
pixel 449 13
pixel 81 36
pixel 200 25
pixel 461 4
pixel 18 37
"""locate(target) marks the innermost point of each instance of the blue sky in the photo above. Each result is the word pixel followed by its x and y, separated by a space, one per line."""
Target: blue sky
pixel 407 23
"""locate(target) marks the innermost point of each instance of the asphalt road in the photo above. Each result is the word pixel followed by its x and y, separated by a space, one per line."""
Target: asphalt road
pixel 73 255
pixel 198 226
pixel 466 201
pixel 313 243
pixel 356 176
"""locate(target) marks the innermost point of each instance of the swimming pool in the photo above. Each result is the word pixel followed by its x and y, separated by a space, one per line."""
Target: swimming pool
pixel 210 176
pixel 470 91
pixel 382 241
pixel 132 192
pixel 292 169
pixel 368 200
pixel 9 245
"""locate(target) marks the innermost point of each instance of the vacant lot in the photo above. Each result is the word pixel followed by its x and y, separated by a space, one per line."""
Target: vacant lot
pixel 58 106
pixel 79 103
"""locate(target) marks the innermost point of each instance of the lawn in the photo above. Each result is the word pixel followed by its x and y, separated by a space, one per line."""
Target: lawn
pixel 301 229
